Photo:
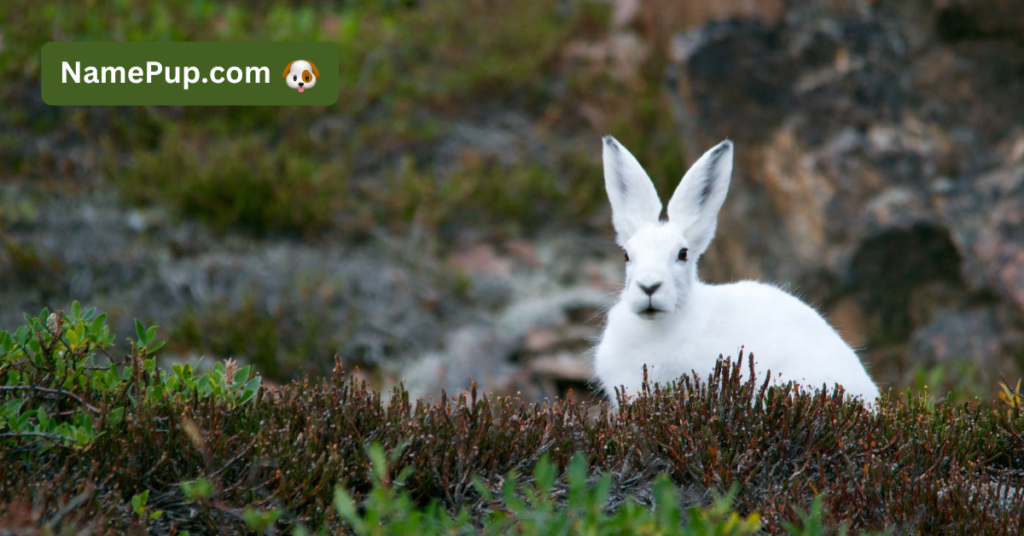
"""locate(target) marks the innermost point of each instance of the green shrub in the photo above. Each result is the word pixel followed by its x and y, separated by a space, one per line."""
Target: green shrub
pixel 531 510
pixel 60 387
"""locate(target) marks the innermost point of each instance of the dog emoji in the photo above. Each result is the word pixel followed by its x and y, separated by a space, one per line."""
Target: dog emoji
pixel 301 75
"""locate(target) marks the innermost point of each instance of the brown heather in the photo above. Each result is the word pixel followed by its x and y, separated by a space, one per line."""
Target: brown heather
pixel 914 466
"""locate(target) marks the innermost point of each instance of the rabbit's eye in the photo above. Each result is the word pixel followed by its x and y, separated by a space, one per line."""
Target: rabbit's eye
pixel 626 253
pixel 682 254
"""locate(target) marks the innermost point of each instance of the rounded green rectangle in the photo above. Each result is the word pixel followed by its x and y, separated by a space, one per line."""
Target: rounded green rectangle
pixel 189 74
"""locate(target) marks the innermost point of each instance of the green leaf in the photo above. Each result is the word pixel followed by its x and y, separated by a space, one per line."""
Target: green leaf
pixel 253 385
pixel 20 423
pixel 157 346
pixel 156 514
pixel 260 521
pixel 197 490
pixel 139 500
pixel 21 335
pixel 346 507
pixel 810 521
pixel 242 375
pixel 544 474
pixel 12 407
pixel 76 311
pixel 97 325
pixel 149 334
pixel 577 480
pixel 156 393
pixel 380 467
pixel 110 378
pixel 6 344
pixel 666 498
pixel 246 396
pixel 601 490
pixel 140 332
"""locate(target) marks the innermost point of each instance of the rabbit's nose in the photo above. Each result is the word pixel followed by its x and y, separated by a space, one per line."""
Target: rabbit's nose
pixel 650 290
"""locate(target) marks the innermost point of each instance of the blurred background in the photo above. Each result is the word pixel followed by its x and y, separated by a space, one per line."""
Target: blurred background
pixel 447 217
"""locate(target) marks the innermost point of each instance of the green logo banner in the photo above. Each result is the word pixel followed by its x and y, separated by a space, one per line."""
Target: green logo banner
pixel 196 74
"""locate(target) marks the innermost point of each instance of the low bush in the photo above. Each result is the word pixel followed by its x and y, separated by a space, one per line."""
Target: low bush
pixel 116 442
pixel 532 510
pixel 61 387
pixel 239 182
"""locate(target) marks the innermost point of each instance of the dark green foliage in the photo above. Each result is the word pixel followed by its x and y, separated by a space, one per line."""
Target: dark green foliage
pixel 542 509
pixel 408 79
pixel 245 332
pixel 60 387
pixel 239 182
pixel 914 465
pixel 31 266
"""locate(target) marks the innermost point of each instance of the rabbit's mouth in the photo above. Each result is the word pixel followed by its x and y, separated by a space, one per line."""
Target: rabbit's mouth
pixel 650 312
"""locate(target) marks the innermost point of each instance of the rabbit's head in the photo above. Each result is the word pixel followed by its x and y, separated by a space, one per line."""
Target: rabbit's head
pixel 661 256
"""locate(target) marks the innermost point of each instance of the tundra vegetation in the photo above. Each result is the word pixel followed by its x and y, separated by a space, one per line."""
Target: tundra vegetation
pixel 96 437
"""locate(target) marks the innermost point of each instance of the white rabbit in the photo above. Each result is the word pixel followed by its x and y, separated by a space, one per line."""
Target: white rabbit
pixel 669 320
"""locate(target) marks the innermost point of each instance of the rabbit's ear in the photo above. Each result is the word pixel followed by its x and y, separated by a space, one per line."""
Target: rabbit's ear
pixel 634 200
pixel 699 197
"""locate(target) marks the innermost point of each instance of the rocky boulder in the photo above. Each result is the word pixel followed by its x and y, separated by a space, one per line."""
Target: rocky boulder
pixel 880 167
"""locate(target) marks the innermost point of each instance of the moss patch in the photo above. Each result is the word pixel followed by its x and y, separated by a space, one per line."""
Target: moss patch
pixel 237 182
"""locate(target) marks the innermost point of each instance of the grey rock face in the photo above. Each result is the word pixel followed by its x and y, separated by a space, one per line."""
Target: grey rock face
pixel 537 341
pixel 367 303
pixel 879 155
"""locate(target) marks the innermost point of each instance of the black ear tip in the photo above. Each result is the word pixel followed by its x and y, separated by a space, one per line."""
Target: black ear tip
pixel 719 151
pixel 609 141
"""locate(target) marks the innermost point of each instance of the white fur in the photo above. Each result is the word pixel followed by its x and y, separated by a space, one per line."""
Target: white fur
pixel 684 325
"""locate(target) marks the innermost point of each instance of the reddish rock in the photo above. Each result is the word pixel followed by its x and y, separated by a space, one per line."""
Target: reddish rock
pixel 481 259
